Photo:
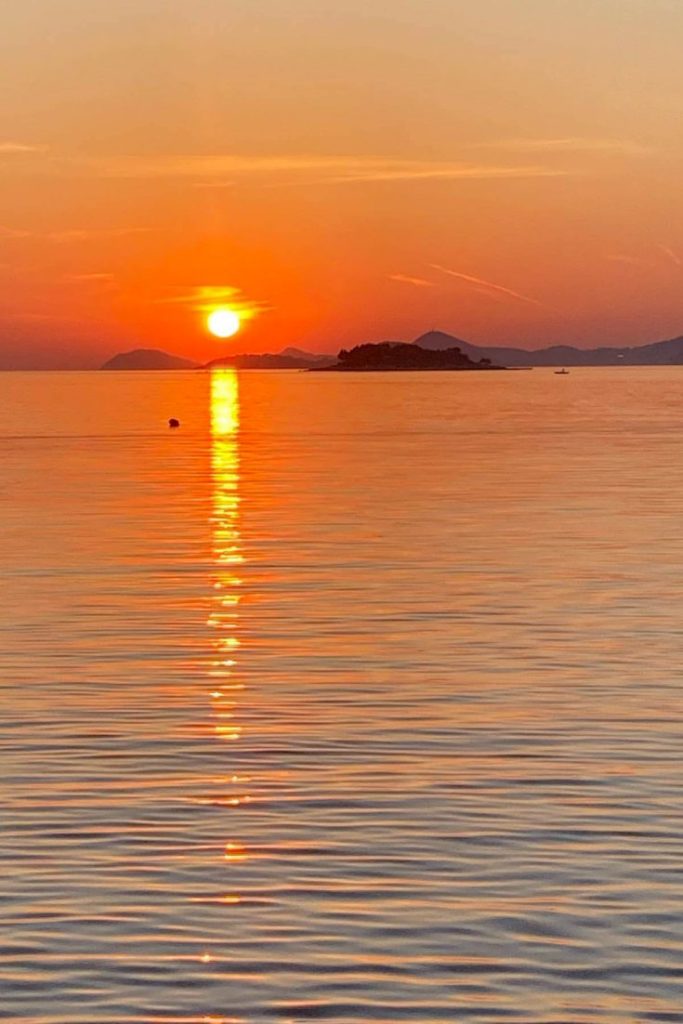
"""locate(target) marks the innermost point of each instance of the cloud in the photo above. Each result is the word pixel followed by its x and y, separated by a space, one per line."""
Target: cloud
pixel 19 148
pixel 664 255
pixel 489 286
pixel 571 144
pixel 457 172
pixel 71 234
pixel 311 169
pixel 91 277
pixel 418 282
pixel 104 279
pixel 671 255
pixel 39 317
pixel 14 232
pixel 207 298
pixel 86 234
pixel 224 170
pixel 214 184
pixel 631 261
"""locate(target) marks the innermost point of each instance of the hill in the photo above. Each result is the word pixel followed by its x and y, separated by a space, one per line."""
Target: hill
pixel 147 359
pixel 289 359
pixel 309 357
pixel 155 359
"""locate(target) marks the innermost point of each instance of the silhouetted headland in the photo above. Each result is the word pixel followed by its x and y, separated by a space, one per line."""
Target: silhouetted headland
pixel 147 359
pixel 396 356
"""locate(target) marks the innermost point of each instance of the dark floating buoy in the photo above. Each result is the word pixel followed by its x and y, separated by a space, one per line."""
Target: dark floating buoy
pixel 173 424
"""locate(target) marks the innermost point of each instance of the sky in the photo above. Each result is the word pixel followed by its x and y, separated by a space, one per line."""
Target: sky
pixel 510 171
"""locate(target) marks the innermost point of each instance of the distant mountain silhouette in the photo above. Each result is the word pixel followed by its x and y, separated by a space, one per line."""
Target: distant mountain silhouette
pixel 289 359
pixel 155 359
pixel 397 355
pixel 147 359
pixel 661 353
pixel 309 357
pixel 438 340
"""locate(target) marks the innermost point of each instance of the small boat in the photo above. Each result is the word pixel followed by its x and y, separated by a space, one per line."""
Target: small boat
pixel 561 372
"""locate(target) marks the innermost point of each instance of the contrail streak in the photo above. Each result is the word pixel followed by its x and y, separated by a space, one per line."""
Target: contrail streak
pixel 499 288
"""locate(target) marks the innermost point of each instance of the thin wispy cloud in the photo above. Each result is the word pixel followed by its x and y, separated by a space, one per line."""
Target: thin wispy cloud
pixel 225 170
pixel 417 282
pixel 206 298
pixel 662 259
pixel 86 234
pixel 458 172
pixel 630 261
pixel 20 148
pixel 671 255
pixel 488 286
pixel 38 317
pixel 91 277
pixel 104 280
pixel 7 232
pixel 71 234
pixel 214 184
pixel 307 169
pixel 571 144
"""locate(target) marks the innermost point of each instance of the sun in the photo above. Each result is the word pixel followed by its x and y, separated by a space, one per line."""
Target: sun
pixel 223 323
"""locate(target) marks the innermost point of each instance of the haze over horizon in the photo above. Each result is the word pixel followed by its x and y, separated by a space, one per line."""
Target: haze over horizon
pixel 507 172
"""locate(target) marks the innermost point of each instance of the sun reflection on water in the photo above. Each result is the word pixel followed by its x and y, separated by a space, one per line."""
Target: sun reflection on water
pixel 226 685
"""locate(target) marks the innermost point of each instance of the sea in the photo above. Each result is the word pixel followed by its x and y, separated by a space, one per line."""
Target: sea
pixel 356 698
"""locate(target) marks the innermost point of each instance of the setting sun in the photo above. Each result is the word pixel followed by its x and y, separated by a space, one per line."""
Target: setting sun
pixel 223 323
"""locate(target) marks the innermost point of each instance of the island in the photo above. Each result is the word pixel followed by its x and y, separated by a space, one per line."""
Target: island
pixel 398 355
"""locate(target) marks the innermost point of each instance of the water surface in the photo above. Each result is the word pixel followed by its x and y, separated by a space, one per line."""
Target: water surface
pixel 356 699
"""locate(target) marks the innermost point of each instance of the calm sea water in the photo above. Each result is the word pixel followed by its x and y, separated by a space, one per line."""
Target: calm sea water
pixel 356 699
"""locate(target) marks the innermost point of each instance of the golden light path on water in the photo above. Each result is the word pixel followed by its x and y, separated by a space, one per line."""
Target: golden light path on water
pixel 226 686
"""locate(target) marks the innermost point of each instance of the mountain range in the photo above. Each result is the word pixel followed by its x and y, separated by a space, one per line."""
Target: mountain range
pixel 660 353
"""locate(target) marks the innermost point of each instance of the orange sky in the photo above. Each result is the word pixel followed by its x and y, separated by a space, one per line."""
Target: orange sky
pixel 508 170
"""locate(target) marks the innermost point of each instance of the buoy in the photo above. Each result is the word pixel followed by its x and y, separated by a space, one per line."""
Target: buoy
pixel 173 423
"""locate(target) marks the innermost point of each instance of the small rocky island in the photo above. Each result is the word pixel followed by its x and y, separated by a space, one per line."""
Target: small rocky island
pixel 396 355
